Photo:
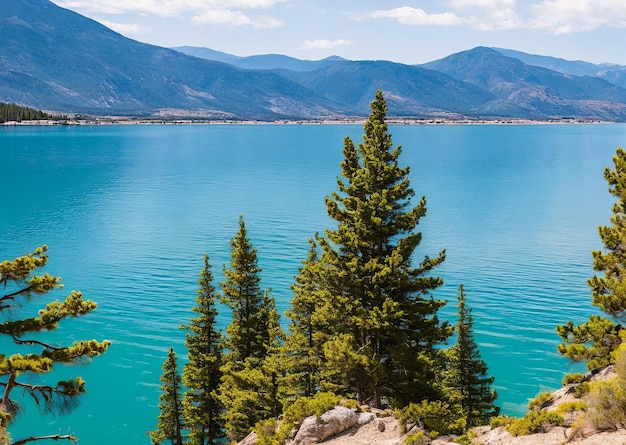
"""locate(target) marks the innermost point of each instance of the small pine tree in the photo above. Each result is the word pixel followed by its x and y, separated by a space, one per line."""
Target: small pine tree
pixel 252 389
pixel 202 408
pixel 170 420
pixel 469 382
pixel 596 340
pixel 272 366
pixel 20 283
pixel 303 351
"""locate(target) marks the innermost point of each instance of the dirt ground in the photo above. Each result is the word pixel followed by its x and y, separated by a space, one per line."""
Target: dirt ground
pixel 392 435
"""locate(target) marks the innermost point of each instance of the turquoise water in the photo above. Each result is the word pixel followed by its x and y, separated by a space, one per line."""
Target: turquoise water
pixel 128 211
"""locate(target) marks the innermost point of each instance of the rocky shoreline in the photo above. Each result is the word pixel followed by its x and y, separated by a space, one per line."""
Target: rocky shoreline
pixel 345 426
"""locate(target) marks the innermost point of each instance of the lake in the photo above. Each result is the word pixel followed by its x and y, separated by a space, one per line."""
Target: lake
pixel 128 212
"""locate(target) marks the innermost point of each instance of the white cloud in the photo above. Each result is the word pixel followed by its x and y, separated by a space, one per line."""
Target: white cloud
pixel 557 16
pixel 223 17
pixel 567 16
pixel 482 4
pixel 249 4
pixel 415 16
pixel 323 44
pixel 490 15
pixel 127 29
pixel 501 19
pixel 267 22
pixel 234 18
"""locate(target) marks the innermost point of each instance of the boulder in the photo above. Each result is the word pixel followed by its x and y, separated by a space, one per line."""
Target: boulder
pixel 339 419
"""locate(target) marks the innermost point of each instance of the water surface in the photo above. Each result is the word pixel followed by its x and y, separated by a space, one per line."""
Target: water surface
pixel 129 211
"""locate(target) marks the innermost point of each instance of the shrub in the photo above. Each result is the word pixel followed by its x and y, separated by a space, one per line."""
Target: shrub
pixel 606 404
pixel 467 438
pixel 535 422
pixel 417 439
pixel 620 362
pixel 438 416
pixel 266 432
pixel 349 403
pixel 310 406
pixel 581 390
pixel 541 401
pixel 606 399
pixel 576 377
pixel 501 420
pixel 568 407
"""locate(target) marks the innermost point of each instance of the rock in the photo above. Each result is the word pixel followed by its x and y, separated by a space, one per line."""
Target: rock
pixel 339 419
pixel 381 426
pixel 250 439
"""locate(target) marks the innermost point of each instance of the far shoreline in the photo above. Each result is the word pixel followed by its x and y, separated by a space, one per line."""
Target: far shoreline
pixel 392 121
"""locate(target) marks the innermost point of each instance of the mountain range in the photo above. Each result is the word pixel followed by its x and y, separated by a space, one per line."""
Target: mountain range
pixel 55 59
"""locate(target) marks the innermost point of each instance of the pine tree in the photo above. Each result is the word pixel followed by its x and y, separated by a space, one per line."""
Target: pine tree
pixel 170 420
pixel 385 324
pixel 250 377
pixel 597 340
pixel 272 365
pixel 303 353
pixel 469 380
pixel 202 408
pixel 20 283
pixel 609 292
pixel 245 395
pixel 242 293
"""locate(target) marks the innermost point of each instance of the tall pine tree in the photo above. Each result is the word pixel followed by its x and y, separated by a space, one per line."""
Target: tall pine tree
pixel 170 420
pixel 249 387
pixel 202 408
pixel 469 381
pixel 385 324
pixel 596 340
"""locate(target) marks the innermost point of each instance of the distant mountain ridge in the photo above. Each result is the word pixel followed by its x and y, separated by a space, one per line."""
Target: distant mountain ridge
pixel 613 73
pixel 259 62
pixel 574 67
pixel 536 89
pixel 57 60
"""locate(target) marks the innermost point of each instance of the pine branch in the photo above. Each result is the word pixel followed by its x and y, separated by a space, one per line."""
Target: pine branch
pixel 62 398
pixel 32 389
pixel 12 296
pixel 52 437
pixel 34 342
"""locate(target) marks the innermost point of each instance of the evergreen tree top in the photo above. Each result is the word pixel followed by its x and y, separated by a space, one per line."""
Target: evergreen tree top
pixel 242 277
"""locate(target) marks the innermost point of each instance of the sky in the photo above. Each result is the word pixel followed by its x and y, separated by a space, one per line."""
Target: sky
pixel 404 31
